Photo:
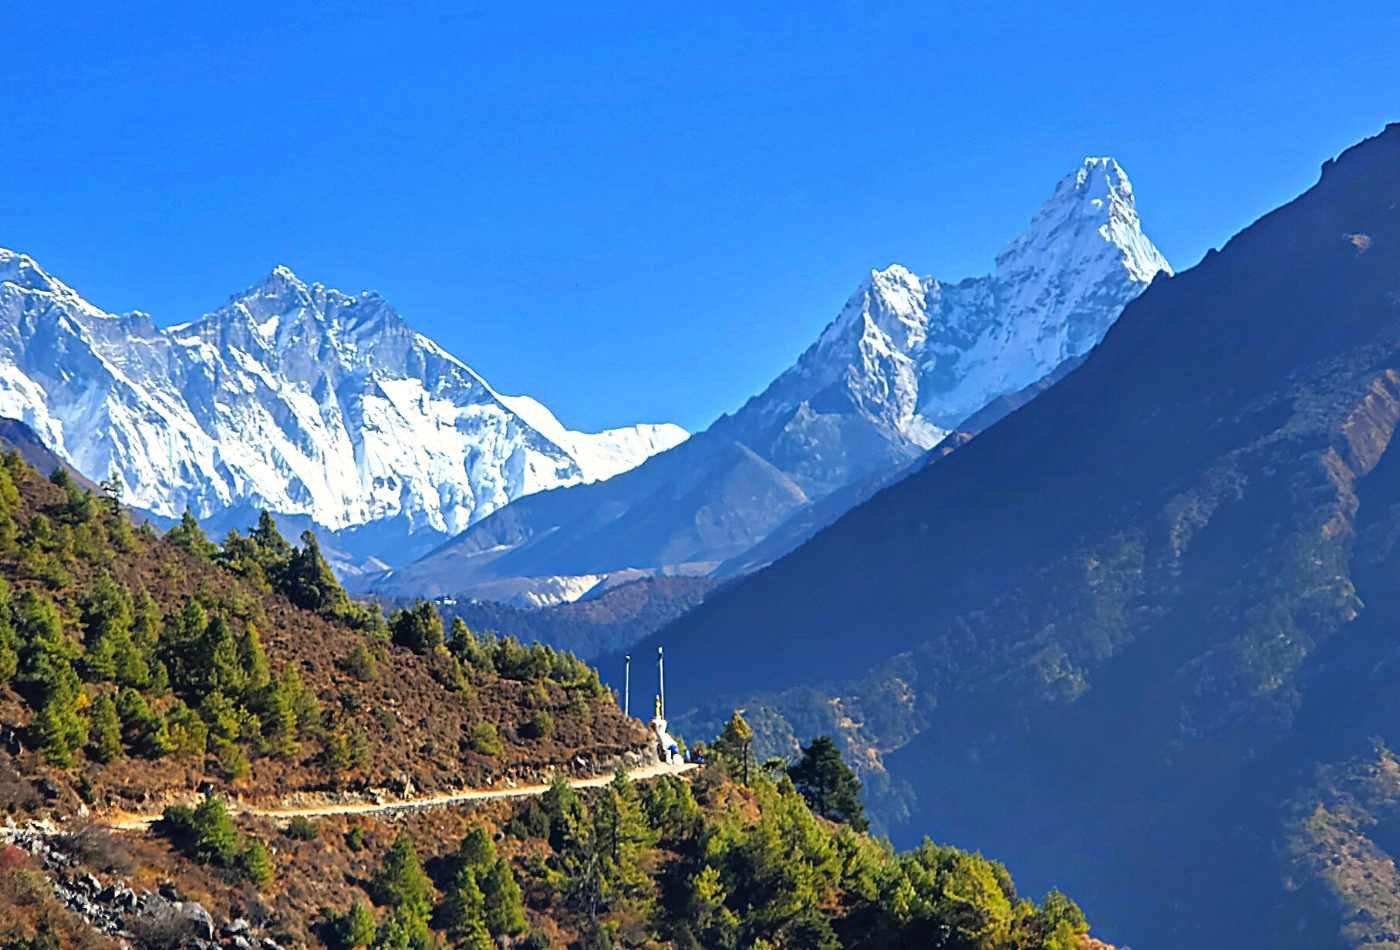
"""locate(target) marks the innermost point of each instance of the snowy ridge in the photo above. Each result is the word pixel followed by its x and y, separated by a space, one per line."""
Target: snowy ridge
pixel 292 396
pixel 914 357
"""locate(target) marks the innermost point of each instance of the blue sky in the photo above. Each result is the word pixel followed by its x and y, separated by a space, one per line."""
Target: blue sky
pixel 643 212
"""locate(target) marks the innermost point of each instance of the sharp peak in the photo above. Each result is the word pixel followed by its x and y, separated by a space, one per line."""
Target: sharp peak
pixel 1096 176
pixel 280 278
pixel 19 268
pixel 894 272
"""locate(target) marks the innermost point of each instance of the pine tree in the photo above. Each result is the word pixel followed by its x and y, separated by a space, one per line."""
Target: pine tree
pixel 106 619
pixel 144 732
pixel 46 650
pixel 273 550
pixel 623 839
pixel 309 582
pixel 477 851
pixel 9 637
pixel 734 746
pixel 216 839
pixel 357 926
pixel 404 930
pixel 255 861
pixel 463 913
pixel 105 731
pixel 418 627
pixel 61 728
pixel 187 735
pixel 505 908
pixel 112 490
pixel 470 649
pixel 217 664
pixel 828 784
pixel 180 648
pixel 401 882
pixel 190 536
pixel 567 815
pixel 280 720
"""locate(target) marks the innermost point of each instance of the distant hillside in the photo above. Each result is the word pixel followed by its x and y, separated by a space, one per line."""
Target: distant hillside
pixel 594 625
pixel 16 435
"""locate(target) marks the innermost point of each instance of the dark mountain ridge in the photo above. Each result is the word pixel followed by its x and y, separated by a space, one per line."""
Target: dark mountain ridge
pixel 1137 614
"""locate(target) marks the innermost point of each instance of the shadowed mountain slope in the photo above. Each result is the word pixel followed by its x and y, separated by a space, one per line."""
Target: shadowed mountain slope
pixel 1114 637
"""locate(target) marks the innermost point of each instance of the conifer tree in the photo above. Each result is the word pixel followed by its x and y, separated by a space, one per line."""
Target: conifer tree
pixel 357 926
pixel 255 861
pixel 190 536
pixel 107 618
pixel 477 851
pixel 218 666
pixel 186 734
pixel 216 839
pixel 105 732
pixel 469 648
pixel 418 627
pixel 144 732
pixel 623 837
pixel 9 637
pixel 463 913
pixel 734 746
pixel 401 882
pixel 45 650
pixel 180 648
pixel 273 549
pixel 61 728
pixel 309 582
pixel 505 908
pixel 828 784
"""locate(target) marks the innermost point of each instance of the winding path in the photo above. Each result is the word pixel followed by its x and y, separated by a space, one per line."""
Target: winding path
pixel 127 821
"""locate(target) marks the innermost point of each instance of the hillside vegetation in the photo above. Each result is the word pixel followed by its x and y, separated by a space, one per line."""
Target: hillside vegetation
pixel 142 672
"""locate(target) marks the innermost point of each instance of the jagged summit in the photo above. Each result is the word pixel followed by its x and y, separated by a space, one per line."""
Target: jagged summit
pixel 1092 215
pixel 293 396
pixel 917 356
pixel 22 271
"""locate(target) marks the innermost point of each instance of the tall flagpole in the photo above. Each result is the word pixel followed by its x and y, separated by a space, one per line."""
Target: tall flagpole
pixel 627 685
pixel 661 678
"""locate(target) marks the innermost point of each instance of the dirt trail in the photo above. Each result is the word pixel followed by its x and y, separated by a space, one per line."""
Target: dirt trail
pixel 133 822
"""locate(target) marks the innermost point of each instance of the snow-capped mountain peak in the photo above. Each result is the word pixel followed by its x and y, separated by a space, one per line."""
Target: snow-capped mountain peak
pixel 1091 214
pixel 914 357
pixel 292 396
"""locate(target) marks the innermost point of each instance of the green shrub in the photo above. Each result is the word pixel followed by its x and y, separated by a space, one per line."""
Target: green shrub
pixel 484 740
pixel 301 828
pixel 355 839
pixel 540 725
pixel 255 861
pixel 360 663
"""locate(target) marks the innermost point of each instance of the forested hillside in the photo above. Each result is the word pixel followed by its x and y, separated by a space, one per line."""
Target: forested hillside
pixel 200 681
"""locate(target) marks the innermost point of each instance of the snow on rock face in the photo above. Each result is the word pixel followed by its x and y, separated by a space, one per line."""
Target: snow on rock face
pixel 600 455
pixel 915 357
pixel 293 397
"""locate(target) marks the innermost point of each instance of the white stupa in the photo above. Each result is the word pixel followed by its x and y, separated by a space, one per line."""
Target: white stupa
pixel 667 748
